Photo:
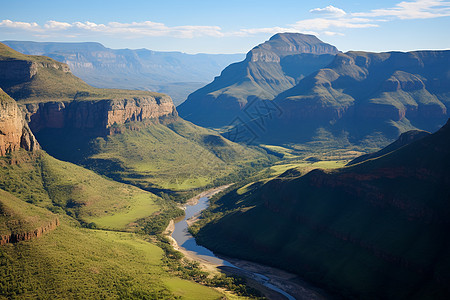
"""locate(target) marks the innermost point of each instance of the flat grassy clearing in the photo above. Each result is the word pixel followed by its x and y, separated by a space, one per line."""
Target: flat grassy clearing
pixel 332 164
pixel 189 290
pixel 140 206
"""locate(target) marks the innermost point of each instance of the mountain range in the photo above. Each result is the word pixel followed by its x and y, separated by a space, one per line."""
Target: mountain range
pixel 292 87
pixel 90 177
pixel 268 69
pixel 69 232
pixel 129 135
pixel 174 73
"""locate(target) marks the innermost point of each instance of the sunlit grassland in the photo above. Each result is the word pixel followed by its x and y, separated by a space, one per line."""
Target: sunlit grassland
pixel 17 216
pixel 140 206
pixel 177 157
pixel 302 167
pixel 88 197
pixel 332 164
pixel 87 264
pixel 189 290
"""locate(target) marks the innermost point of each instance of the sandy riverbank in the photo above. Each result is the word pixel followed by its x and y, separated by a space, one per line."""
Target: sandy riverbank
pixel 288 282
pixel 204 264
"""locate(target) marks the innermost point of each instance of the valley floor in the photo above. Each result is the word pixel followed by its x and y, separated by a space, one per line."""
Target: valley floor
pixel 290 283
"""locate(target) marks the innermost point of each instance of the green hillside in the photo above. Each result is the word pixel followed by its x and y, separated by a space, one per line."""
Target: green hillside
pixel 18 218
pixel 378 229
pixel 75 262
pixel 176 157
pixel 78 263
pixel 365 95
pixel 66 188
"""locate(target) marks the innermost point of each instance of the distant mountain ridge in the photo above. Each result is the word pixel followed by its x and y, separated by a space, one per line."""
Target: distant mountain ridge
pixel 268 69
pixel 363 93
pixel 174 73
pixel 359 98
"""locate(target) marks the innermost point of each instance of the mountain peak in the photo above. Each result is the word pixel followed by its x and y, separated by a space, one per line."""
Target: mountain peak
pixel 289 43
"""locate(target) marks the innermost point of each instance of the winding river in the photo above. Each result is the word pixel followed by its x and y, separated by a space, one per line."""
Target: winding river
pixel 185 240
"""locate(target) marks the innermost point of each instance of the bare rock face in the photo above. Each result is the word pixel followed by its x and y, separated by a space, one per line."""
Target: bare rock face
pixel 15 237
pixel 24 70
pixel 14 131
pixel 99 115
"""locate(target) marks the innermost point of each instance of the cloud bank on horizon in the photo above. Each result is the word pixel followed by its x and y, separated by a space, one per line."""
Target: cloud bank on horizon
pixel 327 21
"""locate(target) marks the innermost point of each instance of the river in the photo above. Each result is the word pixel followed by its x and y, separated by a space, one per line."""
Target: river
pixel 185 240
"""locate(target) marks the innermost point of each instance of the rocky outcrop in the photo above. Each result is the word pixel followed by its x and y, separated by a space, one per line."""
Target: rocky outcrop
pixel 15 237
pixel 98 116
pixel 14 131
pixel 23 70
pixel 286 44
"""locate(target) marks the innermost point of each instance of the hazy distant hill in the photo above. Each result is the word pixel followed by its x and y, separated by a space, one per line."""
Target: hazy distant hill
pixel 173 73
pixel 268 69
pixel 376 230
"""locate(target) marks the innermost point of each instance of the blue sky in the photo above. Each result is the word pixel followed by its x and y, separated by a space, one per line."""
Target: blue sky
pixel 229 26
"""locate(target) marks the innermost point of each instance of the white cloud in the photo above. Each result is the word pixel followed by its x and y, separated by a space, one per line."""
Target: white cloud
pixel 420 9
pixel 329 10
pixel 131 30
pixel 331 21
pixel 332 33
pixel 55 25
pixel 19 25
pixel 325 23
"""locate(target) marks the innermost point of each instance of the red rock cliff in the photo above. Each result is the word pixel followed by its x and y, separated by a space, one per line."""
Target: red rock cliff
pixel 99 115
pixel 14 131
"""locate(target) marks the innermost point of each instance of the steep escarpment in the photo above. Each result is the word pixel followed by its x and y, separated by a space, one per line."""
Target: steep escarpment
pixel 52 97
pixel 366 93
pixel 98 116
pixel 14 131
pixel 268 69
pixel 20 221
pixel 378 229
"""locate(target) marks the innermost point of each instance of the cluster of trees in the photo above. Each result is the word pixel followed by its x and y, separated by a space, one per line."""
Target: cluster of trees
pixel 188 269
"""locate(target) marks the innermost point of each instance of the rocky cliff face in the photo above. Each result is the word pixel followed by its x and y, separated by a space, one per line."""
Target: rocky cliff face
pixel 51 97
pixel 98 116
pixel 14 131
pixel 15 237
pixel 24 70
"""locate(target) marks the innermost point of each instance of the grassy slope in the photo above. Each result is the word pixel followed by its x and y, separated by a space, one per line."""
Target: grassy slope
pixel 85 264
pixel 17 216
pixel 383 237
pixel 176 157
pixel 62 186
pixel 79 262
